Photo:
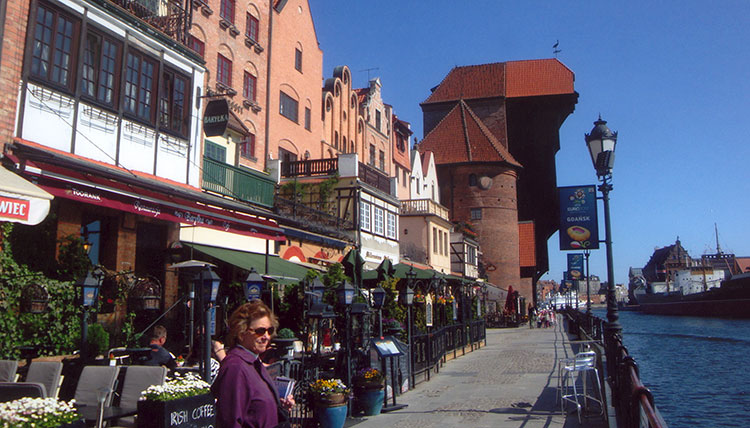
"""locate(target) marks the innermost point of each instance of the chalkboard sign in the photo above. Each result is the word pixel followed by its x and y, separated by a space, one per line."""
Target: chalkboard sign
pixel 190 412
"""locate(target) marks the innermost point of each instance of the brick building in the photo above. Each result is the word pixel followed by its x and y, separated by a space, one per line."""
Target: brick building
pixel 494 130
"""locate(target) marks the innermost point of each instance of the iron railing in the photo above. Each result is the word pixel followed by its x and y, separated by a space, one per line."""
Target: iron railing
pixel 633 402
pixel 169 17
pixel 238 183
pixel 309 168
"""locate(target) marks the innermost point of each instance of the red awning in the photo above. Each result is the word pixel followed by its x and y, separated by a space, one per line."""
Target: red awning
pixel 66 183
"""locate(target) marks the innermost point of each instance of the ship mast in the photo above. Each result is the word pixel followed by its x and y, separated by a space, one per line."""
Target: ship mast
pixel 718 247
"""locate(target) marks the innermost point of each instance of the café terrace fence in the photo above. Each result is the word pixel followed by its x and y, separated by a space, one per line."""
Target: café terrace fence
pixel 429 351
pixel 633 402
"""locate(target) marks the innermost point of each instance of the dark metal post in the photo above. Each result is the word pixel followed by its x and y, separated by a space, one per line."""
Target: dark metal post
pixel 586 254
pixel 412 378
pixel 612 329
pixel 84 333
pixel 207 343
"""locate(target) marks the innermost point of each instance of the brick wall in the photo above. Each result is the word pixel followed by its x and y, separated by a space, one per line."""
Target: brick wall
pixel 11 65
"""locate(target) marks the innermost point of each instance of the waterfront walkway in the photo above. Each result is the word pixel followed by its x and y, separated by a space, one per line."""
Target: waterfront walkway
pixel 510 382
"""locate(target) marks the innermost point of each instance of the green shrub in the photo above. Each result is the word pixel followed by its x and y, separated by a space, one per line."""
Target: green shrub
pixel 98 340
pixel 286 333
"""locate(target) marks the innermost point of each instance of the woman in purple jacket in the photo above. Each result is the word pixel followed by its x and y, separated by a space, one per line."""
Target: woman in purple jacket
pixel 245 393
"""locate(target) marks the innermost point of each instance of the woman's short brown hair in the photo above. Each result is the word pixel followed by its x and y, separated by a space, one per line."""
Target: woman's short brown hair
pixel 243 316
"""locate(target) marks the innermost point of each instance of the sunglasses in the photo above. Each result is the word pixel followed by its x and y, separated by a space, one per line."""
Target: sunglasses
pixel 262 330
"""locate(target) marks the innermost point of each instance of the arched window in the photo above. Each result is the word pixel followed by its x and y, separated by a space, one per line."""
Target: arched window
pixel 472 179
pixel 336 140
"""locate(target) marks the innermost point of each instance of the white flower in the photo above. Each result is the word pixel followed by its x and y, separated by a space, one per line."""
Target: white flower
pixel 179 387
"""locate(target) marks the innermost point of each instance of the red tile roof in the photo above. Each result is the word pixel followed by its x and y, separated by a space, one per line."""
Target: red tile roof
pixel 462 137
pixel 426 160
pixel 362 94
pixel 526 244
pixel 505 79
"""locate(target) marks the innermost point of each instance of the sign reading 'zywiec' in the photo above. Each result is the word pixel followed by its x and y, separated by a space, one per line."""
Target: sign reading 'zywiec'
pixel 14 208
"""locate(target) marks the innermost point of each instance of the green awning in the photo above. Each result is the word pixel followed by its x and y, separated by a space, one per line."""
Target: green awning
pixel 279 269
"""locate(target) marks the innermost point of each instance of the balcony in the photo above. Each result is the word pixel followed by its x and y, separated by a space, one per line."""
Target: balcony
pixel 374 178
pixel 167 16
pixel 309 168
pixel 423 207
pixel 238 183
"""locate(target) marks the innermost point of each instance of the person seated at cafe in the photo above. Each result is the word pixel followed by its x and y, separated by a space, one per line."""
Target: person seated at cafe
pixel 159 355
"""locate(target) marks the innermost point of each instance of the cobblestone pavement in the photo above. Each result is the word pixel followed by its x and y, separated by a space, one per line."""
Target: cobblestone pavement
pixel 510 382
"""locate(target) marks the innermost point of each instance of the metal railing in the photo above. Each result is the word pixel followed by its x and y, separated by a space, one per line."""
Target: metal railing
pixel 167 16
pixel 309 168
pixel 429 349
pixel 374 178
pixel 633 402
pixel 237 183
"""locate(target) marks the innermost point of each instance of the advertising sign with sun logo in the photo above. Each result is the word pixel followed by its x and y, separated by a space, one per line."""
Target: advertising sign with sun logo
pixel 579 224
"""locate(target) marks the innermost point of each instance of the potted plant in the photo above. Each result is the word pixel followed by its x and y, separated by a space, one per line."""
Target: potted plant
pixel 329 398
pixel 368 391
pixel 284 340
pixel 39 413
pixel 181 400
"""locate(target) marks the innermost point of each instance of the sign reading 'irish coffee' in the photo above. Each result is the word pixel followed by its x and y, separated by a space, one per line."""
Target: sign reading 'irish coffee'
pixel 215 118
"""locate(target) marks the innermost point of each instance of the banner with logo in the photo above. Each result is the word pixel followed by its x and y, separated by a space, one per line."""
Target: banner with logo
pixel 575 266
pixel 579 223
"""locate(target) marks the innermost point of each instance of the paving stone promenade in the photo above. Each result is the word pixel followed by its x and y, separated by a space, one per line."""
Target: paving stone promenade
pixel 510 382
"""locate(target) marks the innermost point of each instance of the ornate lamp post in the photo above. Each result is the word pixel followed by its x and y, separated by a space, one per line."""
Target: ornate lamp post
pixel 601 143
pixel 89 296
pixel 209 286
pixel 253 285
pixel 378 298
pixel 345 296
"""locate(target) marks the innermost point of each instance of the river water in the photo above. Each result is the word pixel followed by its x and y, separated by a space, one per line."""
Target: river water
pixel 697 368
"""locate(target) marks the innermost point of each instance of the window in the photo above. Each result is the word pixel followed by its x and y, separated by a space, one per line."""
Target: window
pixel 288 107
pixel 382 160
pixel 251 28
pixel 472 180
pixel 372 155
pixel 308 118
pixel 298 60
pixel 364 215
pixel 101 63
pixel 197 45
pixel 140 73
pixel 445 246
pixel 406 179
pixel 215 152
pixel 471 256
pixel 54 44
pixel 476 213
pixel 378 221
pixel 377 120
pixel 175 96
pixel 227 10
pixel 434 240
pixel 249 86
pixel 224 71
pixel 247 147
pixel 390 225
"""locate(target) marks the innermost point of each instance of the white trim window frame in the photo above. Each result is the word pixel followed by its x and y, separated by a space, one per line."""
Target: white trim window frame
pixel 390 225
pixel 378 221
pixel 364 215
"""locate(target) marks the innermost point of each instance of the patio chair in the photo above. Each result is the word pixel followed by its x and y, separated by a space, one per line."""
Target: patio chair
pixel 8 370
pixel 93 380
pixel 137 380
pixel 10 391
pixel 47 373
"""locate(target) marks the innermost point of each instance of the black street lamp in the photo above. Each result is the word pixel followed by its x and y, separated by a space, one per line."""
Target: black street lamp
pixel 89 296
pixel 253 285
pixel 378 298
pixel 408 299
pixel 209 287
pixel 345 295
pixel 601 143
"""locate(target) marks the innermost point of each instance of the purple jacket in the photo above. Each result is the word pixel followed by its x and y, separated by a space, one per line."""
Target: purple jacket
pixel 245 393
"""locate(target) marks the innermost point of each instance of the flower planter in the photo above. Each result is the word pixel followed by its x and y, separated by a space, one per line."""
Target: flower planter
pixel 190 412
pixel 331 416
pixel 77 424
pixel 331 400
pixel 369 401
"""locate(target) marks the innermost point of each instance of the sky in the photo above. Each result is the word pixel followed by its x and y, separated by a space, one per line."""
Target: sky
pixel 672 78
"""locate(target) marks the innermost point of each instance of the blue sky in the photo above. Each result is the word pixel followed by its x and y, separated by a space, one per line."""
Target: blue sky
pixel 673 78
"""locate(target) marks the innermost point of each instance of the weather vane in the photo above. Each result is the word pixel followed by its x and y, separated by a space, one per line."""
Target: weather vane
pixel 555 49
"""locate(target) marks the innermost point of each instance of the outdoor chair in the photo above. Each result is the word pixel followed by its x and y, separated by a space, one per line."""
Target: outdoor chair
pixel 46 373
pixel 137 380
pixel 8 370
pixel 96 380
pixel 570 370
pixel 10 391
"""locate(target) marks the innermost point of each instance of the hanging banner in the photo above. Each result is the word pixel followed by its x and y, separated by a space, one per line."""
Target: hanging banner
pixel 575 266
pixel 428 310
pixel 579 224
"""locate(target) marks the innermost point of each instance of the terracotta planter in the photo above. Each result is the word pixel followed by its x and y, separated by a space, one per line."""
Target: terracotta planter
pixel 332 400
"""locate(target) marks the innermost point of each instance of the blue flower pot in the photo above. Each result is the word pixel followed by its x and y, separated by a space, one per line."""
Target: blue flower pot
pixel 331 417
pixel 370 401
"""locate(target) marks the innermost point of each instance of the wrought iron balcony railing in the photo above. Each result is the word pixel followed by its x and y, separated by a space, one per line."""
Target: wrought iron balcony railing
pixel 309 168
pixel 238 183
pixel 374 178
pixel 169 17
pixel 423 207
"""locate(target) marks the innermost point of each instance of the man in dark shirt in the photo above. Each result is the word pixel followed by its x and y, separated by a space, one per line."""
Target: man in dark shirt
pixel 159 355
